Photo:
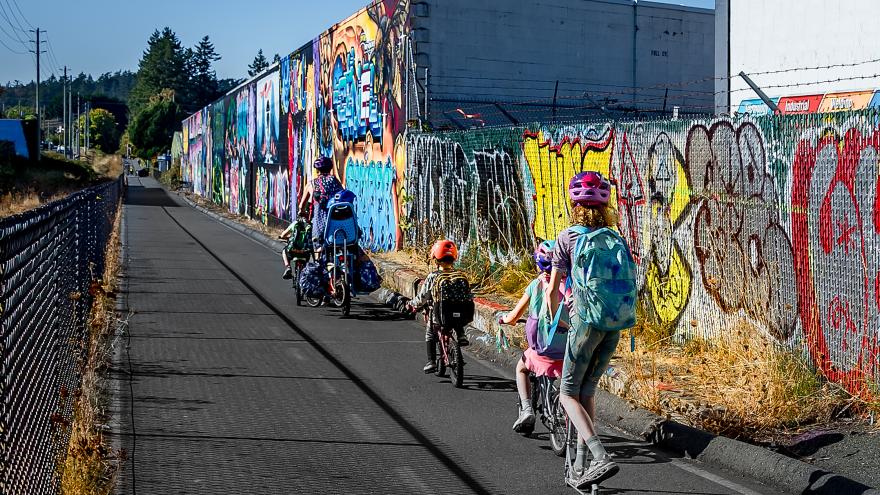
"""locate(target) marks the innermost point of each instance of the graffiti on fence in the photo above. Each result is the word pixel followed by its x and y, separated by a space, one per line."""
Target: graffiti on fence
pixel 740 244
pixel 553 158
pixel 836 228
pixel 476 199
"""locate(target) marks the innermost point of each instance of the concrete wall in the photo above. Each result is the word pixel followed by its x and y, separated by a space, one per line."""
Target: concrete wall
pixel 768 35
pixel 516 50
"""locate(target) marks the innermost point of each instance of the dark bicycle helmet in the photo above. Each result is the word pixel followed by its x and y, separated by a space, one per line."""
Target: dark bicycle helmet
pixel 324 164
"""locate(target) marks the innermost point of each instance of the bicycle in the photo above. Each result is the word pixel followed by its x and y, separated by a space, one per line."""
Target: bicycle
pixel 298 261
pixel 449 355
pixel 341 270
pixel 545 403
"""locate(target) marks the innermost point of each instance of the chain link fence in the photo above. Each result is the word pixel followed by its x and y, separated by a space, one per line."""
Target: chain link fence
pixel 48 257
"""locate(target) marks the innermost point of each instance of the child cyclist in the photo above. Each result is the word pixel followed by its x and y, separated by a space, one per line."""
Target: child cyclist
pixel 298 236
pixel 533 300
pixel 444 253
pixel 601 272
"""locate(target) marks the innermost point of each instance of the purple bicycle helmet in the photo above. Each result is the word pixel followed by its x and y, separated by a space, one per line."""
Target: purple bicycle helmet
pixel 589 189
pixel 544 255
pixel 323 164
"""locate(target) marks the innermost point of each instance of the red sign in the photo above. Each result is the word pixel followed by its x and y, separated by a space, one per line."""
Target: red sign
pixel 799 104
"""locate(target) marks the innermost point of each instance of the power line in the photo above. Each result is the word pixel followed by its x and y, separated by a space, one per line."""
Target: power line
pixel 20 13
pixel 10 49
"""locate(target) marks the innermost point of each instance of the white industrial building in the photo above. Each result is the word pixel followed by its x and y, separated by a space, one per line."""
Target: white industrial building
pixel 807 55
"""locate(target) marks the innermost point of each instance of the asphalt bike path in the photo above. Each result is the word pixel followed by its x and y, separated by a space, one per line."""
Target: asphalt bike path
pixel 225 386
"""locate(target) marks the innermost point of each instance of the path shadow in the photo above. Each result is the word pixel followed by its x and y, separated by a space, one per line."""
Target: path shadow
pixel 487 383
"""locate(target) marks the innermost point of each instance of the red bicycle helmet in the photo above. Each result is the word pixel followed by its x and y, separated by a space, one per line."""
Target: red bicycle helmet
pixel 443 249
pixel 589 189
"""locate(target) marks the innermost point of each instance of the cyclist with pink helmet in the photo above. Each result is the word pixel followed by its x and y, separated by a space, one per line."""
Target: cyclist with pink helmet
pixel 533 361
pixel 589 348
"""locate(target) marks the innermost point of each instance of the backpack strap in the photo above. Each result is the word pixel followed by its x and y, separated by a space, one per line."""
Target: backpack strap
pixel 554 325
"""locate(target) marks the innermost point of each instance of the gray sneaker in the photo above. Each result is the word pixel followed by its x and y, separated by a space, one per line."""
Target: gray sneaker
pixel 525 423
pixel 599 471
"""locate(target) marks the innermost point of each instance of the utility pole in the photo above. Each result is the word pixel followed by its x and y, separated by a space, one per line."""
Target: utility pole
pixel 37 50
pixel 69 129
pixel 78 129
pixel 64 110
pixel 88 125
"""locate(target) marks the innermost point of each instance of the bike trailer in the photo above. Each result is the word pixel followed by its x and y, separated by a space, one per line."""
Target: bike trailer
pixel 453 300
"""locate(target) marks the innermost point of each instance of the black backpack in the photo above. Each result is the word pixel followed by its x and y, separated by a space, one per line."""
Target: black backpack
pixel 453 300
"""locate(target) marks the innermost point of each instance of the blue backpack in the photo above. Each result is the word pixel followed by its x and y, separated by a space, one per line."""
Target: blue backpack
pixel 603 280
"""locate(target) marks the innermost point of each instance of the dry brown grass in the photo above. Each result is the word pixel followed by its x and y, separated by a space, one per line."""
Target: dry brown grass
pixel 13 203
pixel 740 385
pixel 109 166
pixel 90 466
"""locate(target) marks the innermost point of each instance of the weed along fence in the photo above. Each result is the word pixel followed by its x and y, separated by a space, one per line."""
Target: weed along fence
pixel 48 258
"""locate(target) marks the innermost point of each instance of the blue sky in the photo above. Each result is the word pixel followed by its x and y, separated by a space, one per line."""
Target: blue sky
pixel 96 36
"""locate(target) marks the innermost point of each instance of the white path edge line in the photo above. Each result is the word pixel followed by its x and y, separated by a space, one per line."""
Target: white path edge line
pixel 685 466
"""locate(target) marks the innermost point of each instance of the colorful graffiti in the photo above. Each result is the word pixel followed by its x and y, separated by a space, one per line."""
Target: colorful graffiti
pixel 475 199
pixel 267 119
pixel 373 183
pixel 729 220
pixel 836 227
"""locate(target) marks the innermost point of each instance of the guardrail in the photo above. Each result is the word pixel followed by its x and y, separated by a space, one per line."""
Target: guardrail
pixel 48 257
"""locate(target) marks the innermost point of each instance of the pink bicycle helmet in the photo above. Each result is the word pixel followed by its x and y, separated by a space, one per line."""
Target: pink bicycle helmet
pixel 544 255
pixel 589 189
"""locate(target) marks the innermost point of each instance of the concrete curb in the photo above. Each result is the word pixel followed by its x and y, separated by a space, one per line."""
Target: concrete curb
pixel 774 470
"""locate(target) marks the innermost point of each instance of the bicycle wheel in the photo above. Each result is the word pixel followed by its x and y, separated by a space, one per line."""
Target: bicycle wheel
pixel 297 270
pixel 456 363
pixel 557 420
pixel 441 360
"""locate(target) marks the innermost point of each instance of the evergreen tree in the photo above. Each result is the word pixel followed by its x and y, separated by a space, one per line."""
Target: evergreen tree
pixel 258 65
pixel 164 65
pixel 205 87
pixel 276 59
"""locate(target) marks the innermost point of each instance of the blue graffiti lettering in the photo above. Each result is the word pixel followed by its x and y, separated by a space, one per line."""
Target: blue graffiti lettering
pixel 373 182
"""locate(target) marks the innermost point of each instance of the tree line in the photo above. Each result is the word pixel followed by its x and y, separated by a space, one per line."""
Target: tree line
pixel 142 108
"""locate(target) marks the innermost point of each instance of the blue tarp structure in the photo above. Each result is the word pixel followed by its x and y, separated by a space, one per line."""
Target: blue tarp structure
pixel 13 130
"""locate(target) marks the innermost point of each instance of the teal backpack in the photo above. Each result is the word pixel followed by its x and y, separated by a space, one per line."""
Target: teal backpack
pixel 603 280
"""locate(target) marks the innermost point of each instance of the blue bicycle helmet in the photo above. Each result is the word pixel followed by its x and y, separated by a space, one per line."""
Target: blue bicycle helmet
pixel 544 255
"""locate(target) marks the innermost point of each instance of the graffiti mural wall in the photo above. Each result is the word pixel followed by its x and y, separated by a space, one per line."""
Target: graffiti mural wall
pixel 340 96
pixel 774 220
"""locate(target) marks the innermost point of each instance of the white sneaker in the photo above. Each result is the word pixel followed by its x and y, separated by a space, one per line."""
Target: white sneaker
pixel 599 471
pixel 525 423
